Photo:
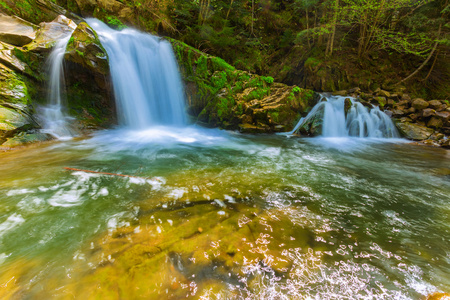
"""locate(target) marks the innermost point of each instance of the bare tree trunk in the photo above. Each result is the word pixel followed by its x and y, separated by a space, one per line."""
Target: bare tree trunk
pixel 229 9
pixel 336 8
pixel 426 60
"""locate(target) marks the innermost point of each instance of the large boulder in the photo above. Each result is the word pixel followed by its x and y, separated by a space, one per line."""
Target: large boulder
pixel 414 131
pixel 12 87
pixel 13 121
pixel 50 32
pixel 15 31
pixel 84 48
pixel 220 95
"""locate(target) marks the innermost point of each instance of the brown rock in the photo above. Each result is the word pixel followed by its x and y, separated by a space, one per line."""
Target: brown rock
pixel 435 103
pixel 406 97
pixel 419 104
pixel 435 123
pixel 428 112
pixel 444 115
pixel 414 116
pixel 16 31
pixel 384 93
pixel 414 131
pixel 410 110
pixel 398 113
pixel 403 103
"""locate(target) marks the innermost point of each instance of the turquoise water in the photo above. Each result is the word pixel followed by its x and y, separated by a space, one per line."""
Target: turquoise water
pixel 367 218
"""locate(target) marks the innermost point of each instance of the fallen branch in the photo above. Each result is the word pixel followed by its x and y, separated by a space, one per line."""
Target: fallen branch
pixel 105 173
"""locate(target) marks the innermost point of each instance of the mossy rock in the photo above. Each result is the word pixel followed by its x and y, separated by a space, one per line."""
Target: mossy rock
pixel 24 138
pixel 13 88
pixel 13 121
pixel 16 31
pixel 85 48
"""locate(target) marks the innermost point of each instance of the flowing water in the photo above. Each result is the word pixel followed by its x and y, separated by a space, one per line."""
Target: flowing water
pixel 55 120
pixel 355 121
pixel 147 84
pixel 218 215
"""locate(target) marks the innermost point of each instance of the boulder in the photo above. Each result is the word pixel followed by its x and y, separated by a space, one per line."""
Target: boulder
pixel 428 112
pixel 414 131
pixel 8 58
pixel 13 121
pixel 419 104
pixel 15 31
pixel 435 104
pixel 444 115
pixel 435 122
pixel 49 33
pixel 12 87
pixel 84 48
pixel 24 138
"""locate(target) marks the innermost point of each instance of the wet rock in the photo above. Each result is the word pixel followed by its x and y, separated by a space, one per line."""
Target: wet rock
pixel 8 57
pixel 13 89
pixel 16 31
pixel 49 33
pixel 84 48
pixel 381 100
pixel 435 122
pixel 347 105
pixel 414 131
pixel 341 93
pixel 13 121
pixel 445 143
pixel 419 104
pixel 24 138
pixel 249 128
pixel 428 112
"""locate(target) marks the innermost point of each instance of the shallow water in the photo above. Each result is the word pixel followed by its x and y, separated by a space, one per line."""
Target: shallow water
pixel 218 215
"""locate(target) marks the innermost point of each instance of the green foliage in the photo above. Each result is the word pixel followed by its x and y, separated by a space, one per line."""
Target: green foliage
pixel 115 22
pixel 267 79
pixel 296 89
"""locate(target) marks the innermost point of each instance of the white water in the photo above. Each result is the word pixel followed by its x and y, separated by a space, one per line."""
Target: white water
pixel 360 121
pixel 146 80
pixel 54 118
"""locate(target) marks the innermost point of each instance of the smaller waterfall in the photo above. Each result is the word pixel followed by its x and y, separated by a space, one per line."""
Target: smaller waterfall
pixel 355 121
pixel 147 84
pixel 55 120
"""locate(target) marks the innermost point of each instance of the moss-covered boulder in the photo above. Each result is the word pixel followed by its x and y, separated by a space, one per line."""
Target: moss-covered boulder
pixel 13 89
pixel 13 121
pixel 220 95
pixel 89 89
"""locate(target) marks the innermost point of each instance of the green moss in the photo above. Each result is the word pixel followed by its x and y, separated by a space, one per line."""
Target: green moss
pixel 115 22
pixel 267 79
pixel 296 89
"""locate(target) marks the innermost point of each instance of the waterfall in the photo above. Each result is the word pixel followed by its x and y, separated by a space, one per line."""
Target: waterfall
pixel 355 121
pixel 147 84
pixel 55 120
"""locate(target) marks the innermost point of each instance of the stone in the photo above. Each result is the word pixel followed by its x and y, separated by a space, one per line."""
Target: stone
pixel 249 128
pixel 12 87
pixel 356 90
pixel 444 115
pixel 8 58
pixel 403 103
pixel 384 93
pixel 388 113
pixel 435 104
pixel 381 100
pixel 390 103
pixel 414 131
pixel 419 104
pixel 13 121
pixel 49 33
pixel 16 31
pixel 26 138
pixel 435 122
pixel 410 110
pixel 445 143
pixel 406 97
pixel 341 93
pixel 428 112
pixel 84 48
pixel 398 112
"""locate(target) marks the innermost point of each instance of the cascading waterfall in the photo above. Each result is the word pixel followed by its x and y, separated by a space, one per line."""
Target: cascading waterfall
pixel 357 121
pixel 147 84
pixel 54 118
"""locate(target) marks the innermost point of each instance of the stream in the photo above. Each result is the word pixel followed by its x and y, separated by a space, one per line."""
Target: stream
pixel 212 214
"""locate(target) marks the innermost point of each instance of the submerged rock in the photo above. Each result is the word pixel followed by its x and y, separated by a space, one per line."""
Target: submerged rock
pixel 414 131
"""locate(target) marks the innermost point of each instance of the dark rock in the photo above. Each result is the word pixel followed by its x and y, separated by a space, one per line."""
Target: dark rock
pixel 414 117
pixel 406 97
pixel 435 122
pixel 445 143
pixel 390 103
pixel 398 113
pixel 419 104
pixel 410 110
pixel 355 90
